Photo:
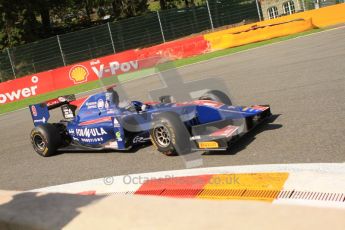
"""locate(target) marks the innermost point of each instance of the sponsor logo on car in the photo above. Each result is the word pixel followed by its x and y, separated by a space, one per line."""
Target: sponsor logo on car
pixel 118 136
pixel 67 112
pixel 90 132
pixel 61 99
pixel 100 104
pixel 208 145
pixel 92 140
pixel 43 120
pixel 20 93
pixel 52 102
pixel 78 74
pixel 116 123
pixel 56 101
pixel 91 105
pixel 139 139
pixel 33 111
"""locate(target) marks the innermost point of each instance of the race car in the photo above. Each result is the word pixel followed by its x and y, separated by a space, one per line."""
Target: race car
pixel 101 121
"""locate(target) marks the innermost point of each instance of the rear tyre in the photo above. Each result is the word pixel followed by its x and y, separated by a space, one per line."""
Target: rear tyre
pixel 216 95
pixel 45 139
pixel 170 135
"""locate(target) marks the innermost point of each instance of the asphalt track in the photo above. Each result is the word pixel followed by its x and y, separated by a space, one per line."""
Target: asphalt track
pixel 302 79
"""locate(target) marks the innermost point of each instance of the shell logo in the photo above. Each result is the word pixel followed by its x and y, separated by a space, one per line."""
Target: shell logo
pixel 78 74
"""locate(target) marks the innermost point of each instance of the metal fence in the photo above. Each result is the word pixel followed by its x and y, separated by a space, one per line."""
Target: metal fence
pixel 137 32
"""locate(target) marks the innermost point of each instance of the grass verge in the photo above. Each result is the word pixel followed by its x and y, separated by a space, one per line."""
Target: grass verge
pixel 130 76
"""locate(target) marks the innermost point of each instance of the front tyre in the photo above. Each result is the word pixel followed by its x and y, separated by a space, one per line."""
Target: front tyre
pixel 170 135
pixel 45 139
pixel 216 95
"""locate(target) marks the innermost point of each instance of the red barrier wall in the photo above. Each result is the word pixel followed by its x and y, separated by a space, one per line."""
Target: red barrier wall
pixel 91 70
pixel 178 49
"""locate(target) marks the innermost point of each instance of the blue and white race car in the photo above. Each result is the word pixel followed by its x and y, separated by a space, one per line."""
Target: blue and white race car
pixel 101 122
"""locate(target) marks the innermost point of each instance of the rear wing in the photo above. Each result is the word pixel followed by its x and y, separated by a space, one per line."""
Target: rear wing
pixel 40 112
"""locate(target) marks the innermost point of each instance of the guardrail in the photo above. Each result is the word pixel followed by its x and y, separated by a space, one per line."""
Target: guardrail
pixel 142 31
pixel 91 70
pixel 114 37
pixel 132 60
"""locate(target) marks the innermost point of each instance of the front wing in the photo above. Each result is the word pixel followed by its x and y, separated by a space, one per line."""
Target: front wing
pixel 219 135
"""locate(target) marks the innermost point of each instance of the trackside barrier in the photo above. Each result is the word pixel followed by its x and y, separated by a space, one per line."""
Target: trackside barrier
pixel 94 69
pixel 137 59
pixel 178 49
pixel 256 34
pixel 323 17
pixel 68 76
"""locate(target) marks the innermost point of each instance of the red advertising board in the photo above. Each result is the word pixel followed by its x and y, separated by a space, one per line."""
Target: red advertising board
pixel 177 49
pixel 95 69
pixel 26 87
